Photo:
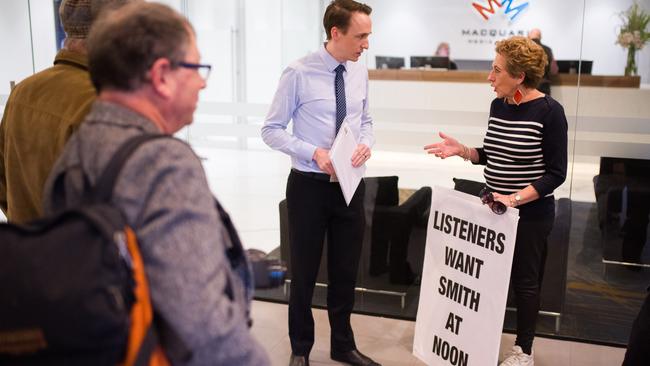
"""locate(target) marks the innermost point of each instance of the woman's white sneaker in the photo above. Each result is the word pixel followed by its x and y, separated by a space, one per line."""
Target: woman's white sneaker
pixel 517 357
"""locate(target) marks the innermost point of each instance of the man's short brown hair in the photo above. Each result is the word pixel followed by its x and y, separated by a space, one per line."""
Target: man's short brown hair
pixel 339 12
pixel 523 55
pixel 124 44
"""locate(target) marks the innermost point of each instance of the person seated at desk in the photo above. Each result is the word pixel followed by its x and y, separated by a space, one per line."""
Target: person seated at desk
pixel 443 50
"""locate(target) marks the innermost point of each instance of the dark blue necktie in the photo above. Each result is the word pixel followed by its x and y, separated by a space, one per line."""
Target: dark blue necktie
pixel 339 90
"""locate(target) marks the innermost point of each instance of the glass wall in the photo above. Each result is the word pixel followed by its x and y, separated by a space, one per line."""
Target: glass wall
pixel 598 258
pixel 28 35
pixel 609 259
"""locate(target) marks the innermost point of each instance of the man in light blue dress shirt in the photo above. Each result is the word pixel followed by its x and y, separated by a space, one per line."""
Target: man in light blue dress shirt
pixel 317 92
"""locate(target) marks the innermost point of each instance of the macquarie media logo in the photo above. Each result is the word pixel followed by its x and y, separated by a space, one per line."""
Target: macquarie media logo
pixel 499 16
pixel 511 11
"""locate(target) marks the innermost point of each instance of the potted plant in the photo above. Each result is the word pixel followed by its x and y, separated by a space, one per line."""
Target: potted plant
pixel 633 34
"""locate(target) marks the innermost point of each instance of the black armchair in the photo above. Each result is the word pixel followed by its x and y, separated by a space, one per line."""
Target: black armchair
pixel 622 190
pixel 394 239
pixel 395 231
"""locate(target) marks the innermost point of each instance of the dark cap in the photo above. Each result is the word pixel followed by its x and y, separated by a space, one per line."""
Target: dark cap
pixel 76 17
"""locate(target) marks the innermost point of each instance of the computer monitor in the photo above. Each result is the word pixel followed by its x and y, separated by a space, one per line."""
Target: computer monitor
pixel 434 62
pixel 572 66
pixel 389 62
pixel 475 65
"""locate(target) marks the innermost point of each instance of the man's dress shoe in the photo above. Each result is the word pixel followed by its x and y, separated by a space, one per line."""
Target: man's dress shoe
pixel 353 357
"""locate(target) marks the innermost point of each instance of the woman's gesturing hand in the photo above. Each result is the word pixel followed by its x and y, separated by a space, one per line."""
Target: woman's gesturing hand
pixel 445 148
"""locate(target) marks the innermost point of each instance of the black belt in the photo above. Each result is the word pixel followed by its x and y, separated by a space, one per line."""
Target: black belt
pixel 317 176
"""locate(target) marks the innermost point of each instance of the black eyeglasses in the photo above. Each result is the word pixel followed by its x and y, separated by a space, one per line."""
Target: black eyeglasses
pixel 487 198
pixel 203 69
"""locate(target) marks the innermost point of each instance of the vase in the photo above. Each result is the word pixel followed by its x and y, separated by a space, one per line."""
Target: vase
pixel 630 67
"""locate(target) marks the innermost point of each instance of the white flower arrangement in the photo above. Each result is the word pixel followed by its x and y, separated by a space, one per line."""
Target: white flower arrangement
pixel 633 35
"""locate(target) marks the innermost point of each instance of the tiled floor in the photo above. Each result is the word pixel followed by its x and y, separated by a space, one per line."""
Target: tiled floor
pixel 389 341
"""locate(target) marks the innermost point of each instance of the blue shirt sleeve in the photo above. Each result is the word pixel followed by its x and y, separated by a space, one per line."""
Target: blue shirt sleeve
pixel 366 136
pixel 285 102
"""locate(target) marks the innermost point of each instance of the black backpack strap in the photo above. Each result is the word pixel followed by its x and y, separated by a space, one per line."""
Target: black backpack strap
pixel 103 190
pixel 235 253
pixel 58 197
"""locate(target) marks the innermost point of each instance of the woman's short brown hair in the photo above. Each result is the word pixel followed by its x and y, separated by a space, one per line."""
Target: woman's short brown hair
pixel 523 55
pixel 339 12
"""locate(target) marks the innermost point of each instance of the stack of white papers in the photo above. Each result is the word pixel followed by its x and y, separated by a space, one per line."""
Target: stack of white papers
pixel 341 152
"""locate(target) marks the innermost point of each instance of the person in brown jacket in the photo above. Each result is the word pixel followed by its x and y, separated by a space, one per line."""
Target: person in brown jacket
pixel 43 111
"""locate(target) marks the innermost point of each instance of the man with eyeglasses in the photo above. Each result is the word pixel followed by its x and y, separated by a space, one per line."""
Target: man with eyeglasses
pixel 146 67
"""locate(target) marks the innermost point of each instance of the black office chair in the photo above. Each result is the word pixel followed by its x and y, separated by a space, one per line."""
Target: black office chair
pixel 392 228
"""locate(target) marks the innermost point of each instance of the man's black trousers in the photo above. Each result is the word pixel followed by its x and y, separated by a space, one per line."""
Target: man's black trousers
pixel 316 207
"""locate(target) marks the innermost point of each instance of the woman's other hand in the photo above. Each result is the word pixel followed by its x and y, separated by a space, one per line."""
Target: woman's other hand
pixel 505 198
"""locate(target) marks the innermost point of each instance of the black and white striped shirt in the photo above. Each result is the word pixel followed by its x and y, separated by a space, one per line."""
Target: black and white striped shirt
pixel 525 145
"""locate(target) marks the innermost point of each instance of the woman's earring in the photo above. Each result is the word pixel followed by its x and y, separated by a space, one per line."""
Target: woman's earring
pixel 518 96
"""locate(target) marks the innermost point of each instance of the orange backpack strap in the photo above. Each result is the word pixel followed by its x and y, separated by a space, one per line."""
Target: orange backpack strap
pixel 143 347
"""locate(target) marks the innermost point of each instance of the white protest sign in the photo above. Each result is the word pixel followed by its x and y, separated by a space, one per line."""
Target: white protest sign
pixel 467 265
pixel 340 154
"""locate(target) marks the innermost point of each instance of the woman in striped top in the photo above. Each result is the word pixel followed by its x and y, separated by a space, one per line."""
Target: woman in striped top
pixel 525 158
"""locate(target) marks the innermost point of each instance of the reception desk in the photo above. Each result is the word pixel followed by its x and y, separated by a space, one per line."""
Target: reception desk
pixel 481 76
pixel 607 115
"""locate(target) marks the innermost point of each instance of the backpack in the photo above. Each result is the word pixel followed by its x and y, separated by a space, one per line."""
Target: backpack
pixel 73 290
